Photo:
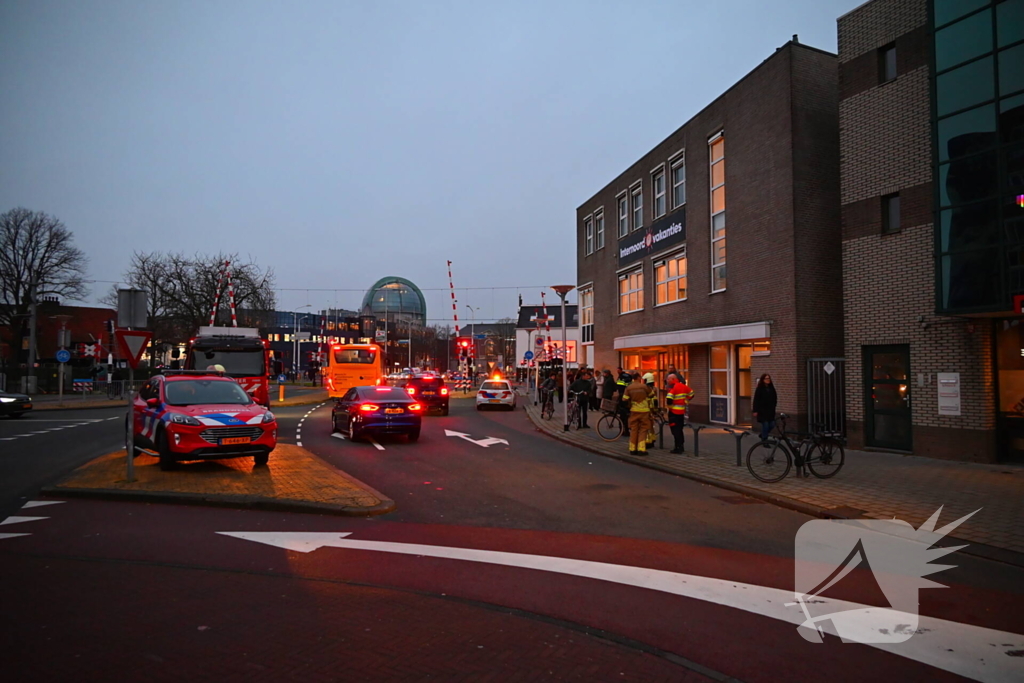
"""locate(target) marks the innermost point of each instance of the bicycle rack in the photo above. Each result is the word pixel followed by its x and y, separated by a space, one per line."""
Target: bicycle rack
pixel 738 435
pixel 696 437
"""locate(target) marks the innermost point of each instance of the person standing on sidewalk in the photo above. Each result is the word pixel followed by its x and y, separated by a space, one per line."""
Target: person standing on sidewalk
pixel 595 389
pixel 678 398
pixel 622 382
pixel 638 397
pixel 582 389
pixel 764 403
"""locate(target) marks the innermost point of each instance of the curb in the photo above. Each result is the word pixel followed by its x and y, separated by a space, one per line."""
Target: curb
pixel 974 548
pixel 95 406
pixel 236 501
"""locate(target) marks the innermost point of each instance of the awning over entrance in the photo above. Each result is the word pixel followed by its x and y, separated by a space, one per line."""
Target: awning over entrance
pixel 702 335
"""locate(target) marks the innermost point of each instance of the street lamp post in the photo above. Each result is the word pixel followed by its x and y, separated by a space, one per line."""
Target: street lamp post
pixel 295 340
pixel 562 291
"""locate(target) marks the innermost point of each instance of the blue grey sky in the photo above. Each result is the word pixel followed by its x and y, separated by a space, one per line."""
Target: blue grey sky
pixel 339 142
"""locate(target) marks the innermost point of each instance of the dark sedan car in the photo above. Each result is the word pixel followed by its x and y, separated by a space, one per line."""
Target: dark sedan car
pixel 14 405
pixel 363 411
pixel 428 389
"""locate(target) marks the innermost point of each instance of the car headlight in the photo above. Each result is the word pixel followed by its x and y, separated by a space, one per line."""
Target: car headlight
pixel 7 399
pixel 178 418
pixel 268 417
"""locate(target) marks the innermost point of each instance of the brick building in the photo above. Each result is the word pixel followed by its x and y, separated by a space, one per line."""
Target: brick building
pixel 654 289
pixel 932 143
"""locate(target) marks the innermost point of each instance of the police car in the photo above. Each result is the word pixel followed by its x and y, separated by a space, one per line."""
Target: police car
pixel 196 415
pixel 497 393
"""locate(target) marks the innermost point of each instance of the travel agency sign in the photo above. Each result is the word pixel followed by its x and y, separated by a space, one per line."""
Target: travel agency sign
pixel 661 234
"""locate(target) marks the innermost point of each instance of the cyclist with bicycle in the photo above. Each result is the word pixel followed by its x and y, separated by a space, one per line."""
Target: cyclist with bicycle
pixel 579 391
pixel 547 394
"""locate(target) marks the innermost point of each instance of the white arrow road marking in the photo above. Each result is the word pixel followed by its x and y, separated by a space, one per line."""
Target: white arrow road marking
pixel 19 520
pixel 41 503
pixel 3 536
pixel 338 436
pixel 485 442
pixel 972 651
pixel 375 444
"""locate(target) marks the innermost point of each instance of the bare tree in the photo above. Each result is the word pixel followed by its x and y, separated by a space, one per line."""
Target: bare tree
pixel 36 248
pixel 182 291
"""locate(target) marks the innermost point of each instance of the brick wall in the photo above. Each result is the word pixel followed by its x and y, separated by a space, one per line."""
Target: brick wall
pixel 889 280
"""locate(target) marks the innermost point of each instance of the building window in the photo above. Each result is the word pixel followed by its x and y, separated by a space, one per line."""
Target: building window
pixel 631 291
pixel 887 63
pixel 587 314
pixel 638 207
pixel 599 230
pixel 658 183
pixel 891 213
pixel 670 279
pixel 623 216
pixel 588 235
pixel 717 156
pixel 678 183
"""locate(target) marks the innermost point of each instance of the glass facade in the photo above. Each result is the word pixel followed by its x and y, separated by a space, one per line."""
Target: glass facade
pixel 978 112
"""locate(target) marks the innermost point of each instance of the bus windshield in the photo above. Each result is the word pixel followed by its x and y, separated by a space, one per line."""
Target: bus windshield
pixel 236 362
pixel 354 356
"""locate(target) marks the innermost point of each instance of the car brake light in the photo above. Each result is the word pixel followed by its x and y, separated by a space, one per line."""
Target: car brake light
pixel 369 407
pixel 444 391
pixel 415 407
pixel 411 390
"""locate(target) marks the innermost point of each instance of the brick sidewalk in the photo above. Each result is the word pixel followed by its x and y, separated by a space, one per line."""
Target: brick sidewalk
pixel 295 480
pixel 874 485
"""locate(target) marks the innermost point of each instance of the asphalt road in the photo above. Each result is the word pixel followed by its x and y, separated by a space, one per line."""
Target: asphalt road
pixel 481 572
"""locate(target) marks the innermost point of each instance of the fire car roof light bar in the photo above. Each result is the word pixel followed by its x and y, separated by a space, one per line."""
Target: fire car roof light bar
pixel 192 373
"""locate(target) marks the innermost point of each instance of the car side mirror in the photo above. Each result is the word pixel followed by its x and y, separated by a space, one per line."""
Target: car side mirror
pixel 152 402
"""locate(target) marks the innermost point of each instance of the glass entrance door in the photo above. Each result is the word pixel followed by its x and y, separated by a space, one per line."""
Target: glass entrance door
pixel 888 418
pixel 744 390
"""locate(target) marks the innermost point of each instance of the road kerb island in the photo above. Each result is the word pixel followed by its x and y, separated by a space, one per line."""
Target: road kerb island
pixel 294 481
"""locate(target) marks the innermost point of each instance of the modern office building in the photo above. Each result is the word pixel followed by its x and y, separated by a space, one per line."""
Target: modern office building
pixel 757 171
pixel 932 138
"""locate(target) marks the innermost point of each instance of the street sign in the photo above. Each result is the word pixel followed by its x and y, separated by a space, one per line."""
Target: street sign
pixel 282 378
pixel 63 356
pixel 479 336
pixel 303 336
pixel 132 307
pixel 539 341
pixel 132 343
pixel 528 355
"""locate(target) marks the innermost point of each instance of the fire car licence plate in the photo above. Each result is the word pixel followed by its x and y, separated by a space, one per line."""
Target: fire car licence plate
pixel 392 411
pixel 235 440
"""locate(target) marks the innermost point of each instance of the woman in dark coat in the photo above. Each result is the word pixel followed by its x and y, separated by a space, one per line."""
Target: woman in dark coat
pixel 765 400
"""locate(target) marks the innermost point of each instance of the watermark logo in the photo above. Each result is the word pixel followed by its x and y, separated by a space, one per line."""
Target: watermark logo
pixel 896 555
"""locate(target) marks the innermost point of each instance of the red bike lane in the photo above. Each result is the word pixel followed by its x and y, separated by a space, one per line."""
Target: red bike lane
pixel 149 575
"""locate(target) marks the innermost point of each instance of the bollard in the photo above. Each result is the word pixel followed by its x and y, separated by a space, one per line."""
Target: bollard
pixel 738 435
pixel 280 394
pixel 696 437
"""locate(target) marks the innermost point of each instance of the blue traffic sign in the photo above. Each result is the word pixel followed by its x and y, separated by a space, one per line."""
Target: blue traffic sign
pixel 528 355
pixel 63 356
pixel 479 336
pixel 282 378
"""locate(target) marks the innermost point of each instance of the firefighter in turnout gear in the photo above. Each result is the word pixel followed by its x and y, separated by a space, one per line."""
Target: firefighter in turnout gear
pixel 638 396
pixel 678 397
pixel 622 381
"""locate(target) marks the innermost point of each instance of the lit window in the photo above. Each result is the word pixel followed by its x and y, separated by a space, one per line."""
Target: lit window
pixel 623 216
pixel 587 314
pixel 631 291
pixel 717 156
pixel 658 183
pixel 599 230
pixel 670 279
pixel 678 183
pixel 638 207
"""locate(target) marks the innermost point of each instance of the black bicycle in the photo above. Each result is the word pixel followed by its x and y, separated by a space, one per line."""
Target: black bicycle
pixel 575 410
pixel 821 453
pixel 547 403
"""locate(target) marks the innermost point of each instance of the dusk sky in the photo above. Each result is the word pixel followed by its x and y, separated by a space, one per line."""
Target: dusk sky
pixel 339 142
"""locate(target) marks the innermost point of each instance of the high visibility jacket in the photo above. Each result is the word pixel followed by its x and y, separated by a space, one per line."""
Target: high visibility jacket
pixel 638 396
pixel 624 380
pixel 679 395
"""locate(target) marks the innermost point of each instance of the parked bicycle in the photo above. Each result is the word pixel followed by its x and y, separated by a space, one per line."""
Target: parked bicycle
pixel 575 410
pixel 821 453
pixel 611 425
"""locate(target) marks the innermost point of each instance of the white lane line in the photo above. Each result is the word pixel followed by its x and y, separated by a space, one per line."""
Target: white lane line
pixel 19 520
pixel 9 438
pixel 338 436
pixel 44 431
pixel 116 417
pixel 3 536
pixel 66 419
pixel 981 653
pixel 299 444
pixel 41 503
pixel 376 445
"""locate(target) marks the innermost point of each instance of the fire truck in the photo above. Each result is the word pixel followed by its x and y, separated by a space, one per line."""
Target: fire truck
pixel 240 351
